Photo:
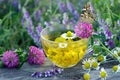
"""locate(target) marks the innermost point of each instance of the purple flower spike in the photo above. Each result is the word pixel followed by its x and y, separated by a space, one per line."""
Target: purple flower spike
pixel 10 59
pixel 70 7
pixel 83 30
pixel 76 15
pixel 37 15
pixel 27 21
pixel 62 6
pixel 38 29
pixel 36 56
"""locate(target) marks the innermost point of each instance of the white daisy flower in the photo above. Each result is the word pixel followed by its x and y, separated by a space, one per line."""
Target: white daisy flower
pixel 95 64
pixel 86 64
pixel 103 74
pixel 116 68
pixel 69 35
pixel 101 58
pixel 86 76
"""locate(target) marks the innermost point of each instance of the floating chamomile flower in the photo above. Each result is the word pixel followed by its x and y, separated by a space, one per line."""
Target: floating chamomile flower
pixel 86 76
pixel 95 64
pixel 101 58
pixel 62 45
pixel 103 73
pixel 86 64
pixel 69 35
pixel 116 68
pixel 60 39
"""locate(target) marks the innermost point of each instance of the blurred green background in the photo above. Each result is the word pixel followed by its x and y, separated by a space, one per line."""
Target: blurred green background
pixel 14 35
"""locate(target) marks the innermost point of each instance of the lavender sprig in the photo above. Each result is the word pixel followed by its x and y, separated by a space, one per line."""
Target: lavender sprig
pixel 72 10
pixel 70 7
pixel 62 6
pixel 27 21
pixel 48 73
pixel 37 15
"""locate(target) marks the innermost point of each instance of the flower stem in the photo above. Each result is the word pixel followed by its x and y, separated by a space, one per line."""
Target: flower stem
pixel 107 50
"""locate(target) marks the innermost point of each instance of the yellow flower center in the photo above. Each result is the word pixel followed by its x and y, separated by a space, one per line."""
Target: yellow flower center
pixel 86 76
pixel 87 65
pixel 100 58
pixel 115 68
pixel 94 64
pixel 69 34
pixel 103 74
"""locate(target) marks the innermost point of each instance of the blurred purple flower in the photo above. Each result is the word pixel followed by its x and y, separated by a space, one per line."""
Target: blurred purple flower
pixel 36 56
pixel 38 29
pixel 62 6
pixel 36 2
pixel 47 24
pixel 10 59
pixel 37 15
pixel 27 21
pixel 108 34
pixel 76 15
pixel 72 10
pixel 15 4
pixel 70 7
pixel 110 44
pixel 23 22
pixel 83 30
pixel 25 13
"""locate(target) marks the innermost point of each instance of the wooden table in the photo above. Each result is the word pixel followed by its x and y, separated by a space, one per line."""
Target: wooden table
pixel 74 73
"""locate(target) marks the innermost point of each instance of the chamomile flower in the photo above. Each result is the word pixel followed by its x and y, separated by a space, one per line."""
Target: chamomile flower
pixel 116 68
pixel 86 64
pixel 103 73
pixel 62 45
pixel 95 64
pixel 101 58
pixel 69 35
pixel 86 76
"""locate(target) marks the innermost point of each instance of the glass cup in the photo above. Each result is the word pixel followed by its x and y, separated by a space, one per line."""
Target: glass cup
pixel 62 54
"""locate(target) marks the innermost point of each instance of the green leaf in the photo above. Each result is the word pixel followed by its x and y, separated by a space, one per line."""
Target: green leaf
pixel 1 52
pixel 1 64
pixel 97 49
